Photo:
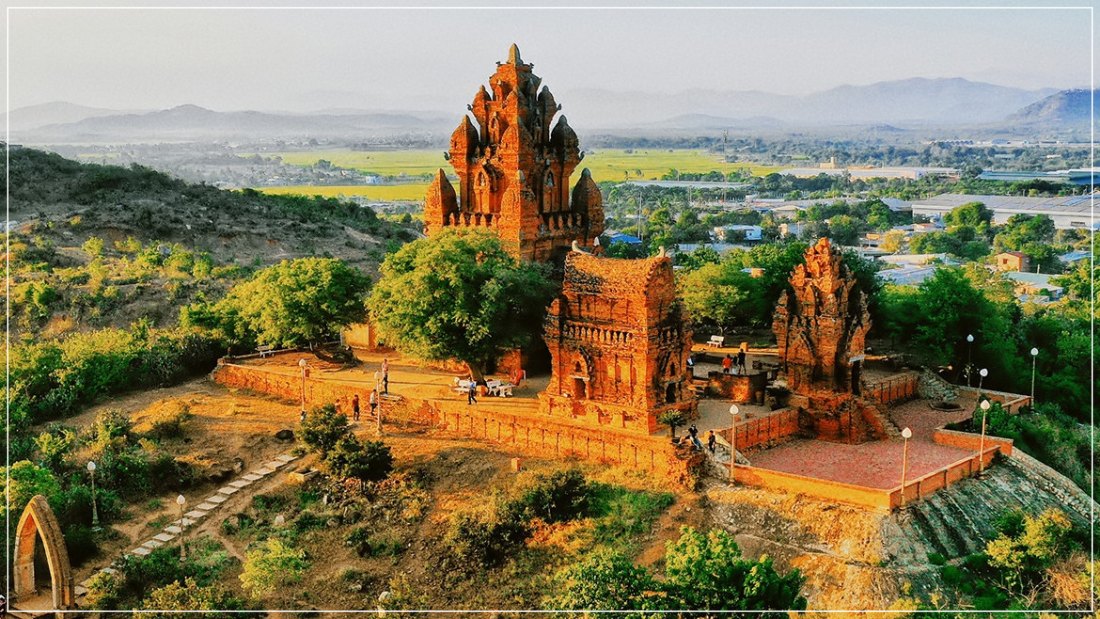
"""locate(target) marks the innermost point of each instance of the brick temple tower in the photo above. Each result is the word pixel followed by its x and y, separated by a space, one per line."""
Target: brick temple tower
pixel 514 168
pixel 619 343
pixel 822 328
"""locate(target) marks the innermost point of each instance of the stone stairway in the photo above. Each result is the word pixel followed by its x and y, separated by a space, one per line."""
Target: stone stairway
pixel 199 513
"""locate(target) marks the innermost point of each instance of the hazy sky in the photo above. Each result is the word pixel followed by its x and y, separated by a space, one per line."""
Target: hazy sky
pixel 435 59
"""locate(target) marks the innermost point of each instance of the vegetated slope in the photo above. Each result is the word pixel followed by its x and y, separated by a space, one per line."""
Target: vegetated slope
pixel 96 246
pixel 857 559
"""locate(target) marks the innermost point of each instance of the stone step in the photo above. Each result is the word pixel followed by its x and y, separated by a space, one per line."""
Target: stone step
pixel 152 544
pixel 286 458
pixel 228 490
pixel 240 483
pixel 207 506
pixel 196 514
pixel 216 499
pixel 265 470
pixel 252 477
pixel 168 534
pixel 141 552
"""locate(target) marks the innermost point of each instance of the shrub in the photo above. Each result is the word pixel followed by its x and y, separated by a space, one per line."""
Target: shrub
pixel 104 592
pixel 367 545
pixel 367 462
pixel 486 540
pixel 556 497
pixel 80 542
pixel 190 596
pixel 322 428
pixel 272 565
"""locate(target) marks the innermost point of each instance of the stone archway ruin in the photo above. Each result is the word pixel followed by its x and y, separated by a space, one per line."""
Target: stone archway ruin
pixel 39 520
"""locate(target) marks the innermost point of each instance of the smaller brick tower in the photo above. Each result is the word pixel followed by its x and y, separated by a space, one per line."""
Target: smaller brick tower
pixel 619 343
pixel 821 330
pixel 514 168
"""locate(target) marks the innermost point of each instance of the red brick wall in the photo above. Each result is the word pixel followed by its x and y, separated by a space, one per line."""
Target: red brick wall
pixel 764 430
pixel 897 388
pixel 535 434
pixel 971 441
pixel 818 488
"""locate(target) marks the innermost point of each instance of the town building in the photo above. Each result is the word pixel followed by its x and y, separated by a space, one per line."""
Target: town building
pixel 1067 212
pixel 1012 261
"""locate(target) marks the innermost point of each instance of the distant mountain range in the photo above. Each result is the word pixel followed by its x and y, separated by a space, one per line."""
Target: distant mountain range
pixel 899 105
pixel 191 122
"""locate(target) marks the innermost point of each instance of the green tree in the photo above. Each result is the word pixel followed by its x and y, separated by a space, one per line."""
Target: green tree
pixel 295 302
pixel 702 572
pixel 707 572
pixel 459 295
pixel 723 295
pixel 272 565
pixel 844 230
pixel 605 580
pixel 323 428
pixel 22 481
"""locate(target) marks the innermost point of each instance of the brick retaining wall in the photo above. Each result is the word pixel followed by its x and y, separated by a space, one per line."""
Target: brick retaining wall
pixel 897 388
pixel 532 433
pixel 767 430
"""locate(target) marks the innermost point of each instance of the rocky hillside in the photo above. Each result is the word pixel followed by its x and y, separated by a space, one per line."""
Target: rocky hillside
pixel 95 245
pixel 856 559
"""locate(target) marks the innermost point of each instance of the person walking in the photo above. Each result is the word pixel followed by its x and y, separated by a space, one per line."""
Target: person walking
pixel 355 407
pixel 385 375
pixel 741 360
pixel 471 393
pixel 712 441
pixel 373 403
pixel 727 364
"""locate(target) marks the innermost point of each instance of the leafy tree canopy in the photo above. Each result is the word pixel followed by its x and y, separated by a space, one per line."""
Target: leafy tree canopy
pixel 460 296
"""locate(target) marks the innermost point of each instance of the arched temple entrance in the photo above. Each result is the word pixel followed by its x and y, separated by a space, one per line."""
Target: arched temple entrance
pixel 38 521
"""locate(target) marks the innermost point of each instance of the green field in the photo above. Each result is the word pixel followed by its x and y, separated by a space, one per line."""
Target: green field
pixel 408 192
pixel 606 165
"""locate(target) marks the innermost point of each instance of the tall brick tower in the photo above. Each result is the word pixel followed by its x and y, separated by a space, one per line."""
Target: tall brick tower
pixel 514 171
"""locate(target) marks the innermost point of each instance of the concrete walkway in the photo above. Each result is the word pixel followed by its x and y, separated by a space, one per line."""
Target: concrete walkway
pixel 197 514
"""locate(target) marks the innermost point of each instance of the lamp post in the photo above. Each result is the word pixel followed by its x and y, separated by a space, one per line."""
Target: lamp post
pixel 969 350
pixel 906 434
pixel 302 363
pixel 1034 357
pixel 95 510
pixel 981 442
pixel 181 501
pixel 982 373
pixel 733 439
pixel 378 408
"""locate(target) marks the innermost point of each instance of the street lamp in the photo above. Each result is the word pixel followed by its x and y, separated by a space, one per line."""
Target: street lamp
pixel 302 363
pixel 981 442
pixel 969 350
pixel 377 409
pixel 982 373
pixel 733 439
pixel 95 510
pixel 1034 357
pixel 905 434
pixel 181 501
